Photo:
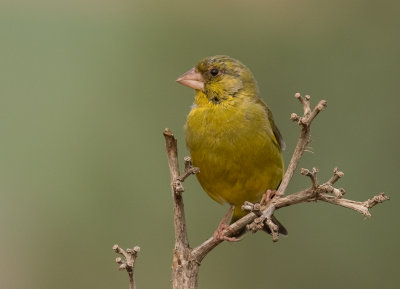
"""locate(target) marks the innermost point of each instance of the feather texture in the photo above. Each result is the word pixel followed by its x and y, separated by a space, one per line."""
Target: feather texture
pixel 232 136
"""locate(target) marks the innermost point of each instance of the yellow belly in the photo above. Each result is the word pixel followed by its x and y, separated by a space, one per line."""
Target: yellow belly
pixel 236 151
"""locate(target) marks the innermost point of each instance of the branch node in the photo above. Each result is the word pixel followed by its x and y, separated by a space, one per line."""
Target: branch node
pixel 127 262
pixel 256 225
pixel 321 105
pixel 308 114
pixel 178 187
pixel 295 117
pixel 339 193
pixel 312 175
pixel 188 162
pixel 305 101
pixel 264 219
pixel 336 176
pixel 189 169
pixel 250 207
pixel 381 197
pixel 274 230
pixel 116 248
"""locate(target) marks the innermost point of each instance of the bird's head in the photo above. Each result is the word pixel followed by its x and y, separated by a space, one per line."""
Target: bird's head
pixel 221 78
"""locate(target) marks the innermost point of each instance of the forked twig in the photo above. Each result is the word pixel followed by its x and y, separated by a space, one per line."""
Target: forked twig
pixel 186 260
pixel 127 262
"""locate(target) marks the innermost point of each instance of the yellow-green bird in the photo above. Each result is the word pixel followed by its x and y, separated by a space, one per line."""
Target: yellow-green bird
pixel 231 134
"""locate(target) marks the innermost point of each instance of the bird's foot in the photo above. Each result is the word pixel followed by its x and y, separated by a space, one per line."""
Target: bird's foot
pixel 267 196
pixel 219 234
pixel 223 227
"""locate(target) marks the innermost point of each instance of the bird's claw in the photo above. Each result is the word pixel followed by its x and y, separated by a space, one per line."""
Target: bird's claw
pixel 223 228
pixel 219 234
pixel 267 196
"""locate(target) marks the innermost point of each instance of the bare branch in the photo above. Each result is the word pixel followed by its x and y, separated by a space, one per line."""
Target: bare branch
pixel 127 262
pixel 274 230
pixel 336 176
pixel 184 271
pixel 327 193
pixel 312 174
pixel 361 207
pixel 186 261
pixel 189 169
pixel 304 139
pixel 182 242
pixel 253 220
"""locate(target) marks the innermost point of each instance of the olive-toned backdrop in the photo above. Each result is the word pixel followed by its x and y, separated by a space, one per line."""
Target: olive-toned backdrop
pixel 87 87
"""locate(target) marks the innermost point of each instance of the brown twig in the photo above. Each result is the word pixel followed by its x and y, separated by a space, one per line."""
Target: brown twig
pixel 312 175
pixel 176 186
pixel 255 222
pixel 186 260
pixel 184 271
pixel 304 139
pixel 189 169
pixel 127 262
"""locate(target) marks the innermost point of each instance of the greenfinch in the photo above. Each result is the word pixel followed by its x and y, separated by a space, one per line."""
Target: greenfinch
pixel 231 134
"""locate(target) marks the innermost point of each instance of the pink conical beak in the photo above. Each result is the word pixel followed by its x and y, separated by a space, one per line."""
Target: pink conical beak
pixel 192 79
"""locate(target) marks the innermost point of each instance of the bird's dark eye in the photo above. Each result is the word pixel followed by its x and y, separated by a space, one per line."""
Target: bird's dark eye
pixel 214 71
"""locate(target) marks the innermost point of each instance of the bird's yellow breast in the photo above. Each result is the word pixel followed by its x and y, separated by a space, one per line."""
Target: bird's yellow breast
pixel 234 146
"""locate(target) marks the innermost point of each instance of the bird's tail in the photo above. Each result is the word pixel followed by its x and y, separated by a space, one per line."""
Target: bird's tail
pixel 281 229
pixel 239 213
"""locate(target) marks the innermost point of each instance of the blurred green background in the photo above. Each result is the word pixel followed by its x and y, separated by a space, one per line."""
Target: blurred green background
pixel 87 87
